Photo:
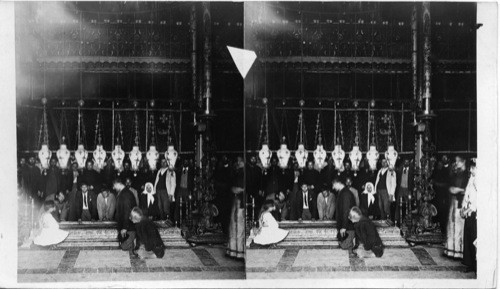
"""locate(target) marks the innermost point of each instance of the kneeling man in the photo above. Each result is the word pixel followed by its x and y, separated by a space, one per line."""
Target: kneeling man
pixel 367 237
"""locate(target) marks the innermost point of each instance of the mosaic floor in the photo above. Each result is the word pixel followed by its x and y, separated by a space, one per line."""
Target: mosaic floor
pixel 112 264
pixel 332 262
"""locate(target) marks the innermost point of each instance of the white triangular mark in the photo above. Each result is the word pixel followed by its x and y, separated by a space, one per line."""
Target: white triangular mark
pixel 243 59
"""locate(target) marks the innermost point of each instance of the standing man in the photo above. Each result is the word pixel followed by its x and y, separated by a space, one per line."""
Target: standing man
pixel 326 204
pixel 254 185
pixel 90 177
pixel 405 187
pixel 125 202
pixel 53 179
pixel 386 189
pixel 128 184
pixel 185 179
pixel 85 204
pixel 355 193
pixel 165 190
pixel 345 228
pixel 303 206
pixel 106 205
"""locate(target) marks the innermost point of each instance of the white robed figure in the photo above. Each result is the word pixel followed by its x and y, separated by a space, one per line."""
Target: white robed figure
pixel 269 231
pixel 50 234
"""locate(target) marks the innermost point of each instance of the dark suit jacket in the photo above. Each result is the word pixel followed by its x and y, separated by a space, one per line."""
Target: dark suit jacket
pixel 125 202
pixel 297 205
pixel 78 205
pixel 345 201
pixel 148 234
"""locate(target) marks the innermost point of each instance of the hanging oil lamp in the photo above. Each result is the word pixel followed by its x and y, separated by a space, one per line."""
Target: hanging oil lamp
pixel 391 155
pixel 171 156
pixel 118 155
pixel 283 155
pixel 135 154
pixel 63 155
pixel 265 156
pixel 338 156
pixel 81 155
pixel 372 156
pixel 301 156
pixel 152 156
pixel 44 154
pixel 356 155
pixel 301 153
pixel 99 153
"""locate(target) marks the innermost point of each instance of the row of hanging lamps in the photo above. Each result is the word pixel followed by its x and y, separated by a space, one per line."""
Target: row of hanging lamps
pixel 135 154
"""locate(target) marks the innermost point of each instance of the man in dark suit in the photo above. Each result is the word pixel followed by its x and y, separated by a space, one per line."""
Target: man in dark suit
pixel 404 188
pixel 125 202
pixel 90 177
pixel 85 204
pixel 303 206
pixel 185 186
pixel 345 228
pixel 253 186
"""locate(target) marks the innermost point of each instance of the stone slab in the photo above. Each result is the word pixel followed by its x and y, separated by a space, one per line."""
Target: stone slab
pixel 103 258
pixel 46 259
pixel 176 258
pixel 394 257
pixel 263 258
pixel 316 258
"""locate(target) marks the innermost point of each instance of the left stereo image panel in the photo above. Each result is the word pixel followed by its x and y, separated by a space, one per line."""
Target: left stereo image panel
pixel 130 141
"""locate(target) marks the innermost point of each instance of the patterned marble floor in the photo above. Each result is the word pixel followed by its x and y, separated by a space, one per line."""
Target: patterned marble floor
pixel 112 264
pixel 325 262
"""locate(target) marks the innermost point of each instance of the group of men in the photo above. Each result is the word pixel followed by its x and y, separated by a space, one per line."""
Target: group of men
pixel 309 194
pixel 88 195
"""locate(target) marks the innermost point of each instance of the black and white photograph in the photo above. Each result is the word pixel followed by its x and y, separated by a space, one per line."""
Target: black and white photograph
pixel 249 144
pixel 129 135
pixel 362 122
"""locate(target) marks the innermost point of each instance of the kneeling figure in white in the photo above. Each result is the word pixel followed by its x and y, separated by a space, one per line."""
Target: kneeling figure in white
pixel 269 231
pixel 50 233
